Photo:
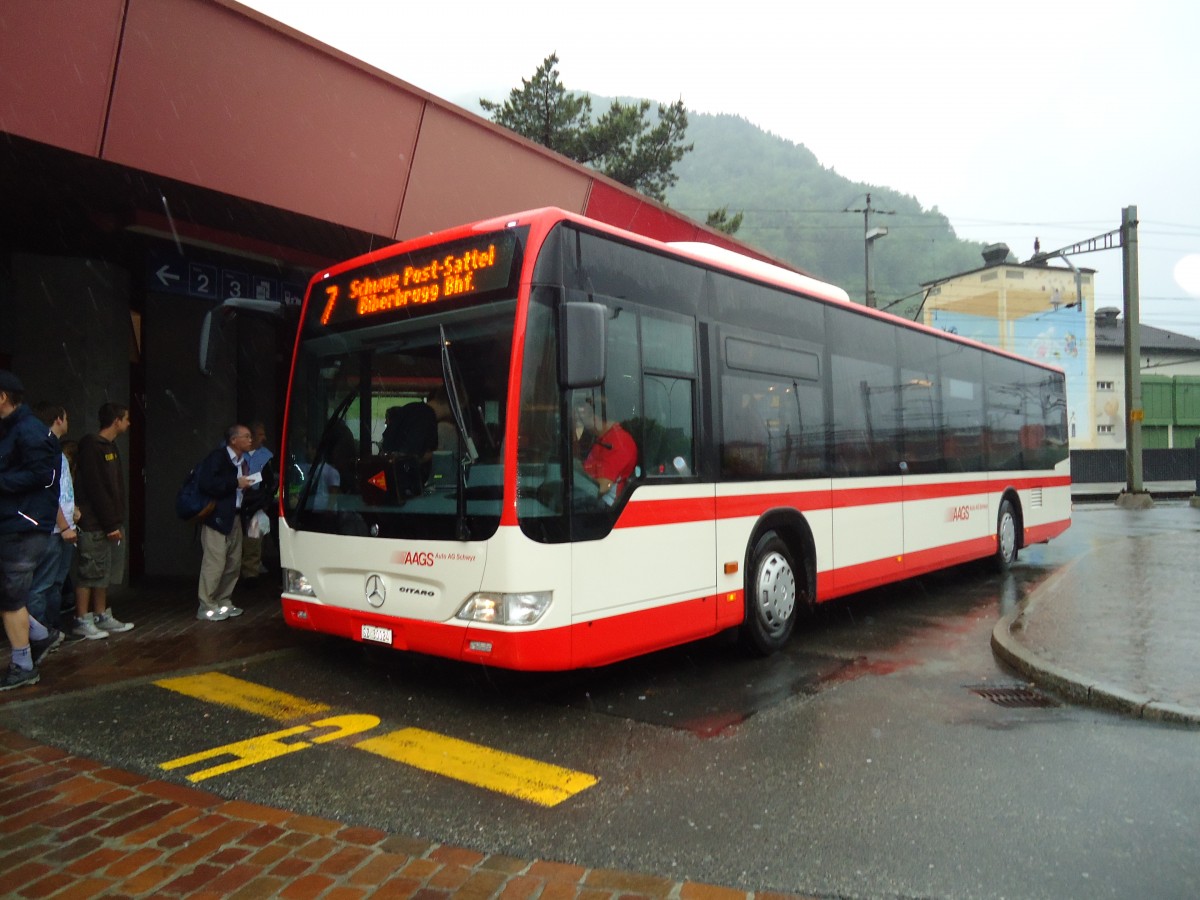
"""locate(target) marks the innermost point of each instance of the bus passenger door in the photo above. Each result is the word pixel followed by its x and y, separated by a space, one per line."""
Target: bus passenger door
pixel 650 582
pixel 644 546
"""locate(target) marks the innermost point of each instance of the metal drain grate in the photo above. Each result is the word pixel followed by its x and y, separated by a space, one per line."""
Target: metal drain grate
pixel 1013 696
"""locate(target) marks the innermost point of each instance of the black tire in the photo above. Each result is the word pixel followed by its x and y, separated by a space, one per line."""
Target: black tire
pixel 772 601
pixel 1006 536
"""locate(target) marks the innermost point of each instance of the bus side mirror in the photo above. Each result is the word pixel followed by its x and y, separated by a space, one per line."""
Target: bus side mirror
pixel 582 329
pixel 208 341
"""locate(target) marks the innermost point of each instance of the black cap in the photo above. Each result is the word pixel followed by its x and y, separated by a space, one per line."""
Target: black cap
pixel 10 383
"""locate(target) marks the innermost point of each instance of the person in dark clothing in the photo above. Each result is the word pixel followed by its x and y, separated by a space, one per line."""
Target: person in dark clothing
pixel 45 601
pixel 100 499
pixel 410 437
pixel 411 430
pixel 30 459
pixel 224 476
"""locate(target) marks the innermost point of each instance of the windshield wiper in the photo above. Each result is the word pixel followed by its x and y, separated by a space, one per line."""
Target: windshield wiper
pixel 470 454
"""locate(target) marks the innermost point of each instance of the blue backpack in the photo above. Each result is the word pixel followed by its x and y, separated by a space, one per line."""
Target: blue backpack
pixel 191 504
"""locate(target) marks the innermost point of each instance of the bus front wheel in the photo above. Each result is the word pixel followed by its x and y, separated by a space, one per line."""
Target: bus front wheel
pixel 771 601
pixel 1006 536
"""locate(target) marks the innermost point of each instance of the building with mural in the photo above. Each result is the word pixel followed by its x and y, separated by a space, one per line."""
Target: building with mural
pixel 1037 311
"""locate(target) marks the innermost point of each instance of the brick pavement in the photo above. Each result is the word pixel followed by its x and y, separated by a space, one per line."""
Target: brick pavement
pixel 72 827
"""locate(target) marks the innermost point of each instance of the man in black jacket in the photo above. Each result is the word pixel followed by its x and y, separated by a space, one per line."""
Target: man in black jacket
pixel 224 476
pixel 30 459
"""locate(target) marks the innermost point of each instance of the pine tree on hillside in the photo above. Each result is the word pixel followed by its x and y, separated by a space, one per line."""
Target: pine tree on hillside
pixel 622 142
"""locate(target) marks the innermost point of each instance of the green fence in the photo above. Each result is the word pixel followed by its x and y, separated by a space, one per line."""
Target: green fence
pixel 1172 407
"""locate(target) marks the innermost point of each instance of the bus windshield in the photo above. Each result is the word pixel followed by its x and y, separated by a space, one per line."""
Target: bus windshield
pixel 374 445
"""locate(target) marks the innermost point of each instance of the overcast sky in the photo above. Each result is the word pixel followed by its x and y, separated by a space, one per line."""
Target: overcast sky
pixel 1020 119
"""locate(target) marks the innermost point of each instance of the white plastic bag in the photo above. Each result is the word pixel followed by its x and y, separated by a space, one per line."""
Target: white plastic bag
pixel 260 525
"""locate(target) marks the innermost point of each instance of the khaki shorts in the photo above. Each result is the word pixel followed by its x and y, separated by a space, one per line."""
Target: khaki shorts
pixel 99 562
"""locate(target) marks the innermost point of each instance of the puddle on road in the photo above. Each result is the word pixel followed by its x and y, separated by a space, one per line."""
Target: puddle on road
pixel 706 695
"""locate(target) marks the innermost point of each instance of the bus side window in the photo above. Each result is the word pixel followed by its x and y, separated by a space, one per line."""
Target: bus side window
pixel 746 434
pixel 668 396
pixel 667 427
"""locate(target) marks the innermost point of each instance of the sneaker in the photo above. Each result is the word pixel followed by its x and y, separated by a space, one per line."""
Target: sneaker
pixel 106 621
pixel 17 677
pixel 86 628
pixel 39 649
pixel 232 611
pixel 213 615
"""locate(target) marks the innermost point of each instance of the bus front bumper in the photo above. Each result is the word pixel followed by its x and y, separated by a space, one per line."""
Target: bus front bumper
pixel 507 648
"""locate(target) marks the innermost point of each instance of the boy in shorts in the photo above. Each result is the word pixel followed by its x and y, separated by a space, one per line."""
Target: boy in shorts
pixel 100 498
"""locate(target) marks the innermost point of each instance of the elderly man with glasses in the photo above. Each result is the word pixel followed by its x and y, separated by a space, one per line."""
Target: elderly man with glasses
pixel 224 476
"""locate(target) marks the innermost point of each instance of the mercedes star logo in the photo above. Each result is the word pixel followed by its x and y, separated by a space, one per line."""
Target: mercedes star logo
pixel 376 590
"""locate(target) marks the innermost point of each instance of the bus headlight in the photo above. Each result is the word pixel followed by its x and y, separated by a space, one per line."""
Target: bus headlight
pixel 506 609
pixel 294 582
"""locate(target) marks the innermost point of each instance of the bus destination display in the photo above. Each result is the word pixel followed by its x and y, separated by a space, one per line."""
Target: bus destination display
pixel 426 277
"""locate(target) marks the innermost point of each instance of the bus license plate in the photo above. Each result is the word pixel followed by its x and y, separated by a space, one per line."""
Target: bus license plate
pixel 375 633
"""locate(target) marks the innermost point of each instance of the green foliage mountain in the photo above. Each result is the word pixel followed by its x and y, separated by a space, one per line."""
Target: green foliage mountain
pixel 794 209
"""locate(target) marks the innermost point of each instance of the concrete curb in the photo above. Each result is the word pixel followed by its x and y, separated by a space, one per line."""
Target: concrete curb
pixel 1077 687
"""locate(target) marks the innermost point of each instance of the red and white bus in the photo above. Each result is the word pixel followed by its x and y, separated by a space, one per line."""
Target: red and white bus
pixel 634 445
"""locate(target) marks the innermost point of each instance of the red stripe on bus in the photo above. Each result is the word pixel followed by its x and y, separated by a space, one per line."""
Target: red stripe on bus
pixel 876 573
pixel 407 634
pixel 947 489
pixel 1024 484
pixel 933 491
pixel 642 513
pixel 1039 534
pixel 608 640
pixel 919 562
pixel 639 514
pixel 738 506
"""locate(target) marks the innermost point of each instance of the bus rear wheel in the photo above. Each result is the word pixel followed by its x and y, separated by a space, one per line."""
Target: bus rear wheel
pixel 1006 536
pixel 771 600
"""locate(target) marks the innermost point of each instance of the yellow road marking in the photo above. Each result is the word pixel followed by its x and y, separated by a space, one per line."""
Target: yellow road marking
pixel 271 746
pixel 507 773
pixel 517 776
pixel 214 687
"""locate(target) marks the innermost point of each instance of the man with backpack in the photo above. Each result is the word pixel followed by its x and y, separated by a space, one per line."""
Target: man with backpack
pixel 224 477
